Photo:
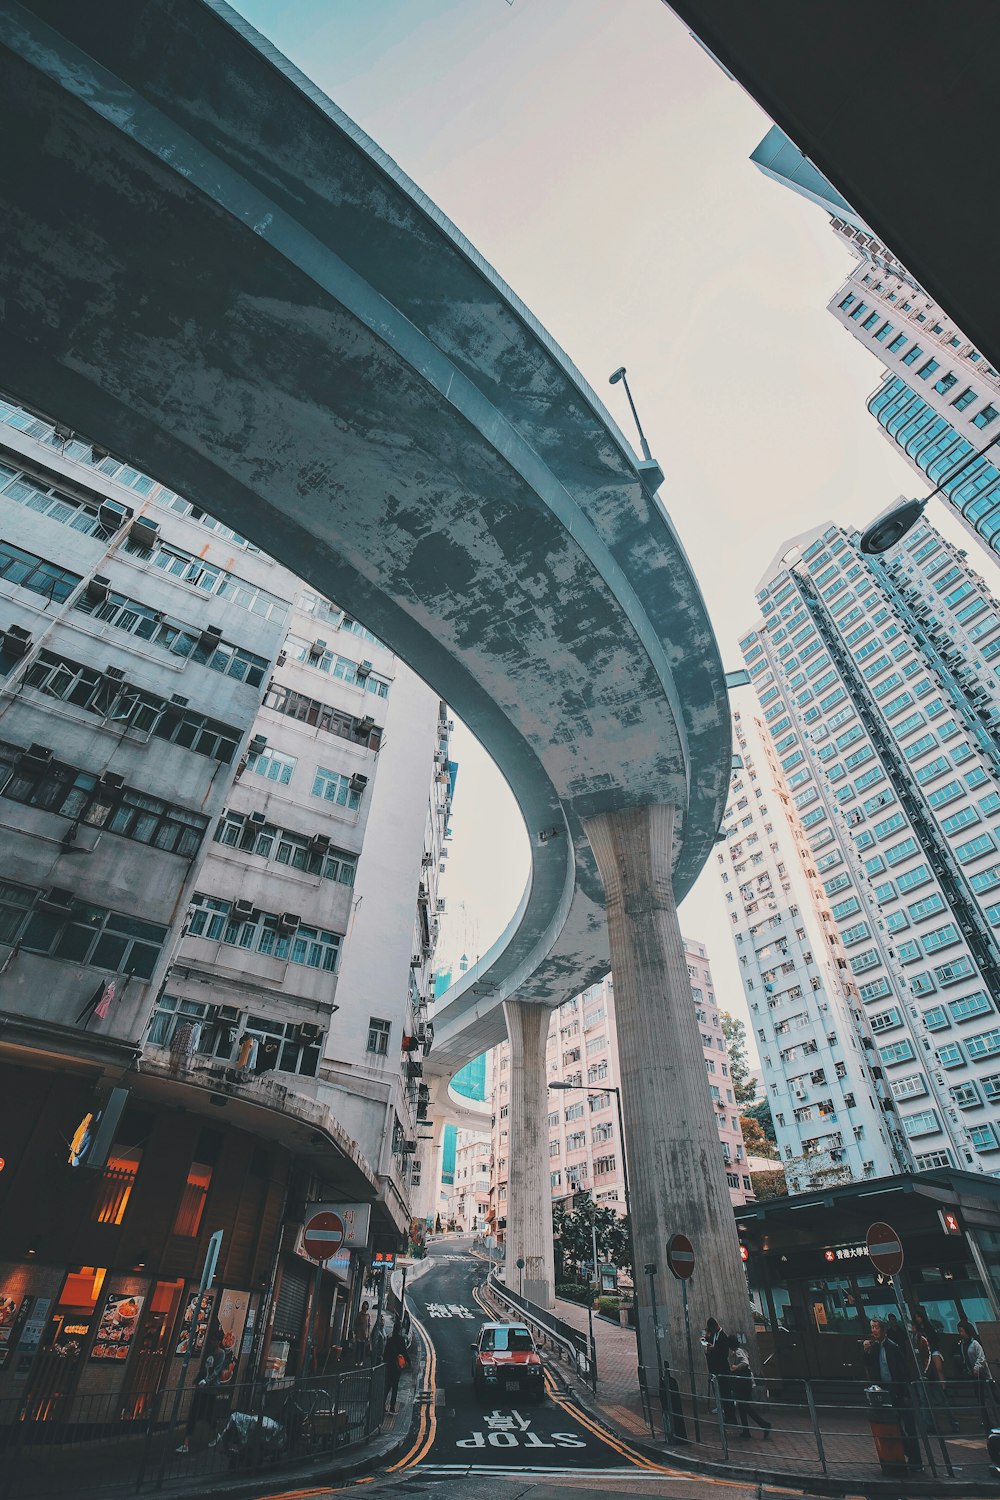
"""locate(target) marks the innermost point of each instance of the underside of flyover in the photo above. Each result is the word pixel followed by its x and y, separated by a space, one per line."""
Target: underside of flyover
pixel 210 271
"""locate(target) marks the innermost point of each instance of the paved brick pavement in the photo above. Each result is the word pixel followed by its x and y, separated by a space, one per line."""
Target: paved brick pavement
pixel 617 1380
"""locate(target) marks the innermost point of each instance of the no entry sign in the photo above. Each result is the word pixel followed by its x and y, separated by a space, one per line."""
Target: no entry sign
pixel 885 1249
pixel 323 1235
pixel 680 1256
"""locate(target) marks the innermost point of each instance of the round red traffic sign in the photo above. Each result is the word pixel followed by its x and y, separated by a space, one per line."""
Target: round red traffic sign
pixel 680 1256
pixel 885 1249
pixel 323 1235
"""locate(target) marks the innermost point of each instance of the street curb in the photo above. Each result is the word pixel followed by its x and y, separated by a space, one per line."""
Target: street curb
pixel 249 1487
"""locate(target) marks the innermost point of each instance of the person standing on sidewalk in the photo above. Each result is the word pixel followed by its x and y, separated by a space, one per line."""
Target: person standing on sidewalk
pixel 716 1342
pixel 741 1375
pixel 203 1401
pixel 362 1333
pixel 974 1362
pixel 397 1358
pixel 887 1366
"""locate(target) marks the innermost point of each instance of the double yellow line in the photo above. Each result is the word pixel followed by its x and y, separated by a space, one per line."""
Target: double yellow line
pixel 616 1444
pixel 427 1429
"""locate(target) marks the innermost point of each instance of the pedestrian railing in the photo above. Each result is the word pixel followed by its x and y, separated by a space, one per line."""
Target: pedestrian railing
pixel 842 1429
pixel 561 1338
pixel 61 1442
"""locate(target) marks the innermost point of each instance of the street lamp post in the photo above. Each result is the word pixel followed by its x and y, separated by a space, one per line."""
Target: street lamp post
pixel 651 1273
pixel 403 1316
pixel 619 374
pixel 564 1088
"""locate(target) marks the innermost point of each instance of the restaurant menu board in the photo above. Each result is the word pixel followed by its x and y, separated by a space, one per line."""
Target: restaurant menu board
pixel 232 1316
pixel 205 1314
pixel 13 1316
pixel 116 1329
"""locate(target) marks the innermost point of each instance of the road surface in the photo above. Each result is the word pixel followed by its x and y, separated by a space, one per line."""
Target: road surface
pixel 462 1435
pixel 467 1449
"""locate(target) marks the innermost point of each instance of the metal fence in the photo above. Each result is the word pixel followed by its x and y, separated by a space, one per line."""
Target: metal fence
pixel 73 1443
pixel 837 1428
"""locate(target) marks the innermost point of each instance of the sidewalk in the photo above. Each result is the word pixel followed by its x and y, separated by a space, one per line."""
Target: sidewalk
pixel 617 1386
pixel 845 1453
pixel 110 1466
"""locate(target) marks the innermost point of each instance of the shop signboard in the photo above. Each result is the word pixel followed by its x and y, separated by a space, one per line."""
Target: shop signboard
pixel 117 1327
pixel 355 1217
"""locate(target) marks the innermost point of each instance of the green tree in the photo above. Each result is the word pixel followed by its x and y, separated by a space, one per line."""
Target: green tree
pixel 754 1139
pixel 769 1185
pixel 761 1112
pixel 744 1083
pixel 573 1242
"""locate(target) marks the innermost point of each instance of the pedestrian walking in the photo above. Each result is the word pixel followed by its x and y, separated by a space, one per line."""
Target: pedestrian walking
pixel 716 1344
pixel 378 1341
pixel 362 1333
pixel 203 1401
pixel 932 1372
pixel 741 1375
pixel 974 1363
pixel 887 1367
pixel 397 1359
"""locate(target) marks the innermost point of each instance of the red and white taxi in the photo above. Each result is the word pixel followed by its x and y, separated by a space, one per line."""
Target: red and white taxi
pixel 504 1358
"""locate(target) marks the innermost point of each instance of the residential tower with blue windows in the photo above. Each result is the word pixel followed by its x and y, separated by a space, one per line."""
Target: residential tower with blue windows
pixel 862 870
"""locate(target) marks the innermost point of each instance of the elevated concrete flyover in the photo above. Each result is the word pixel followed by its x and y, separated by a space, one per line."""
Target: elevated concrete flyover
pixel 209 270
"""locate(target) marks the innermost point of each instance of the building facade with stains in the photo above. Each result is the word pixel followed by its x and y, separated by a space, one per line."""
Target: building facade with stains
pixel 224 806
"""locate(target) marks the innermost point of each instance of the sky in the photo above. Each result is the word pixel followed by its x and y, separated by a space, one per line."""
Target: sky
pixel 598 158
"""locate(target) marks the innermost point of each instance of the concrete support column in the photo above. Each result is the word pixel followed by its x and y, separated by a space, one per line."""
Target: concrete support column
pixel 425 1198
pixel 529 1198
pixel 676 1170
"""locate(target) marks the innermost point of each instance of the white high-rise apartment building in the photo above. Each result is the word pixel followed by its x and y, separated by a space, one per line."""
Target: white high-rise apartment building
pixel 468 1198
pixel 816 1072
pixel 879 705
pixel 938 399
pixel 585 1150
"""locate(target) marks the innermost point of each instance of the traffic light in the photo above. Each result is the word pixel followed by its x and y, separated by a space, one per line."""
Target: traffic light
pixel 950 1222
pixel 744 1254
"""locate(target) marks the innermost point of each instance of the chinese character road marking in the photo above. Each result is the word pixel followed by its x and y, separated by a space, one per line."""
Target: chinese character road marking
pixel 501 1421
pixel 510 1430
pixel 448 1310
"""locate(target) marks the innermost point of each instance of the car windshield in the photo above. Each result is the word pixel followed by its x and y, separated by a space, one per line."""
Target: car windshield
pixel 516 1340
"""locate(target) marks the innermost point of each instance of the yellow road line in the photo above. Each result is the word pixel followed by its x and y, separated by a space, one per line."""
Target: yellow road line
pixel 638 1459
pixel 427 1430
